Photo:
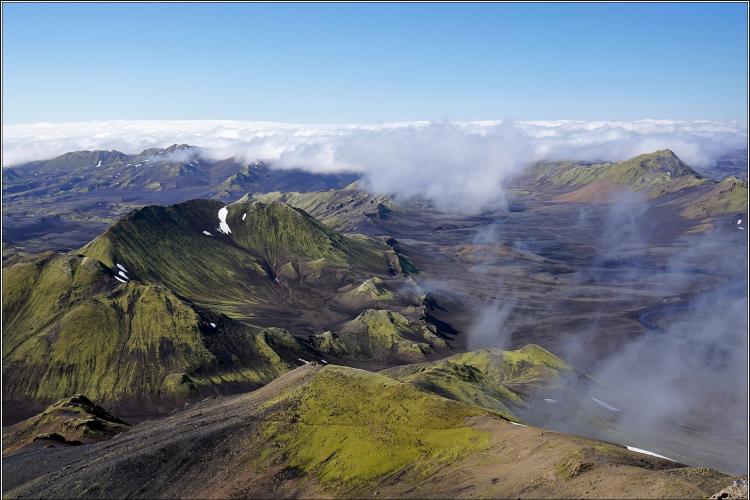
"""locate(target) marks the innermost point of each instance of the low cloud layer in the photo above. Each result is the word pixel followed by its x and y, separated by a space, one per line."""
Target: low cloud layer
pixel 462 160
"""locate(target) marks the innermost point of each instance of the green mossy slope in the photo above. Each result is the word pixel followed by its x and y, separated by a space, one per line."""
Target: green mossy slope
pixel 383 336
pixel 726 198
pixel 72 420
pixel 349 427
pixel 270 250
pixel 335 432
pixel 369 293
pixel 654 174
pixel 345 209
pixel 70 327
pixel 491 378
pixel 169 329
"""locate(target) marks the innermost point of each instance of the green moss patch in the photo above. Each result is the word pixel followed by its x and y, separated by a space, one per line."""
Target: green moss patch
pixel 72 420
pixel 381 335
pixel 69 327
pixel 349 427
pixel 654 174
pixel 491 378
pixel 726 198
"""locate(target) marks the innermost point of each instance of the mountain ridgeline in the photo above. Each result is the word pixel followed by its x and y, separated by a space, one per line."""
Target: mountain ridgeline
pixel 652 176
pixel 175 168
pixel 73 197
pixel 333 431
pixel 186 248
pixel 63 202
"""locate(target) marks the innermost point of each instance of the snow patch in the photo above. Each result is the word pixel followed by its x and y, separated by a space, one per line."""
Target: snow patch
pixel 603 404
pixel 121 273
pixel 516 423
pixel 223 226
pixel 302 360
pixel 739 221
pixel 244 215
pixel 550 400
pixel 121 267
pixel 120 279
pixel 213 325
pixel 324 361
pixel 207 233
pixel 646 452
pixel 98 164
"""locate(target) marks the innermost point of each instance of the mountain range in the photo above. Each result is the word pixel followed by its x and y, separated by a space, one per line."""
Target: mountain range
pixel 64 202
pixel 73 197
pixel 272 332
pixel 199 297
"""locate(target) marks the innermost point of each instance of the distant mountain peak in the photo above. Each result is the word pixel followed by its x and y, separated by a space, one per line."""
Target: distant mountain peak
pixel 174 148
pixel 664 152
pixel 664 160
pixel 95 158
pixel 179 147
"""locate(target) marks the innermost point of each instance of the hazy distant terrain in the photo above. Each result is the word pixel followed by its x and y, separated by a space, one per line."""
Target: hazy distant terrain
pixel 734 163
pixel 64 202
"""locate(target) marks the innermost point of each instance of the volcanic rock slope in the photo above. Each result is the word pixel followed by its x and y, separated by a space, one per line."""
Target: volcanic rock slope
pixel 71 421
pixel 492 378
pixel 326 431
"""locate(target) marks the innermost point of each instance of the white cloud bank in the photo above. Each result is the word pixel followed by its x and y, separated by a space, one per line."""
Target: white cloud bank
pixel 459 160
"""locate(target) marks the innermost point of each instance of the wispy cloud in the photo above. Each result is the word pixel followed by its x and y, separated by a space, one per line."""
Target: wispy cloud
pixel 460 160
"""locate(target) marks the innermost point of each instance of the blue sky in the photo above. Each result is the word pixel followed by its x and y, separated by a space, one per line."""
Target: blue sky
pixel 370 63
